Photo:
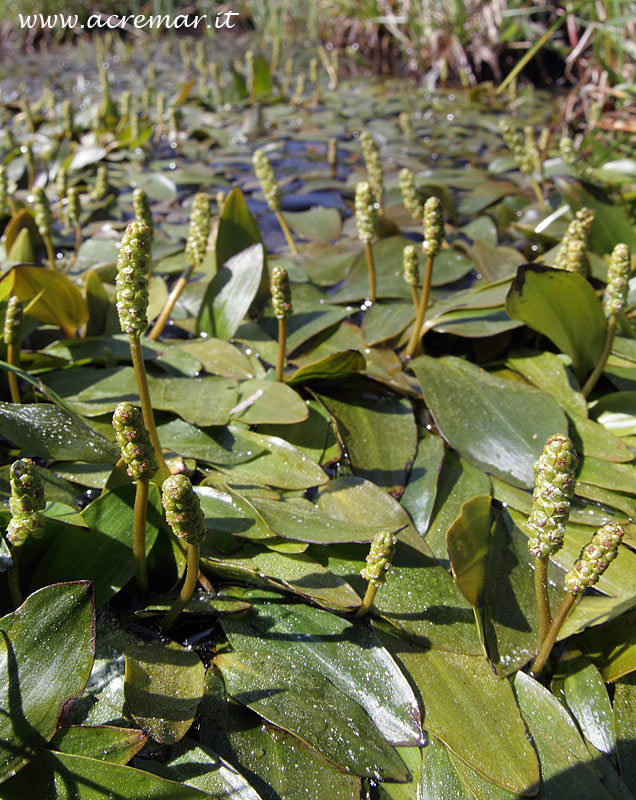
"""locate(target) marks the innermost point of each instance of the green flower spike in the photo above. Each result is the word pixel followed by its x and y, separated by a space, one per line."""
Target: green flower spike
pixel 373 162
pixel 220 200
pixel 595 558
pixel 133 126
pixel 571 255
pixel 282 305
pixel 411 272
pixel 141 207
pixel 433 227
pixel 276 53
pixel 332 156
pixel 44 221
pixel 379 561
pixel 269 186
pixel 4 193
pixel 72 207
pixel 366 222
pixel 136 448
pixel 249 72
pixel 125 105
pixel 553 491
pixel 406 125
pixel 199 230
pixel 196 246
pixel 132 281
pixel 12 335
pixel 61 183
pixel 614 300
pixel 615 295
pixel 568 153
pixel 301 80
pixel 410 197
pixel 27 152
pixel 184 515
pixel 26 503
pixel 138 454
pixel 101 183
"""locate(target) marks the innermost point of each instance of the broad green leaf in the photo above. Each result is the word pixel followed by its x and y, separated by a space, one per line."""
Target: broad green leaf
pixel 156 185
pixel 439 780
pixel 474 323
pixel 412 757
pixel 48 431
pixel 612 646
pixel 616 412
pixel 360 412
pixel 303 702
pixel 467 541
pixel 102 552
pixel 263 402
pixel 567 769
pixel 562 306
pixel 262 78
pixel 611 222
pixel 318 225
pixel 214 445
pixel 335 367
pixel 163 687
pixel 58 622
pixel 105 742
pixel 418 497
pixel 231 292
pixel 588 701
pixel 85 155
pixel 347 655
pixel 282 465
pixel 196 765
pixel 593 439
pixel 315 436
pixel 624 712
pixel 547 372
pixel 619 477
pixel 386 320
pixel 60 302
pixel 278 764
pixel 219 357
pixel 61 776
pixel 473 712
pixel 497 424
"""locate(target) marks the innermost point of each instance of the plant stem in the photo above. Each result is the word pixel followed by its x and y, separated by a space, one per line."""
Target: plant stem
pixel 286 232
pixel 282 345
pixel 414 341
pixel 541 595
pixel 590 383
pixel 191 577
pixel 139 533
pixel 146 405
pixel 538 193
pixel 553 632
pixel 49 251
pixel 13 357
pixel 416 300
pixel 14 581
pixel 368 252
pixel 367 602
pixel 174 295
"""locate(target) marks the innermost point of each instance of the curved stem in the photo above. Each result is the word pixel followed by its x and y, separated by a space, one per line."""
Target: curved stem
pixel 14 581
pixel 174 295
pixel 78 242
pixel 553 632
pixel 139 533
pixel 286 232
pixel 414 341
pixel 49 251
pixel 13 358
pixel 368 253
pixel 416 300
pixel 191 577
pixel 367 602
pixel 538 193
pixel 541 595
pixel 146 405
pixel 590 383
pixel 282 345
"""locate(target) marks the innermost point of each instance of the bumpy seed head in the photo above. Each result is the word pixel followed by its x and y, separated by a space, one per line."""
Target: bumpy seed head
pixel 220 200
pixel 61 182
pixel 276 52
pixel 433 227
pixel 133 125
pixel 375 172
pixel 406 125
pixel 72 207
pixel 43 217
pixel 12 333
pixel 411 266
pixel 267 179
pixel 199 230
pixel 132 281
pixel 183 510
pixel 379 559
pixel 366 212
pixel 410 197
pixel 544 143
pixel 201 59
pixel 571 255
pixel 615 295
pixel 313 71
pixel 27 152
pixel 553 490
pixel 26 502
pixel 281 293
pixel 332 152
pixel 141 207
pixel 568 153
pixel 132 437
pixel 595 558
pixel 101 183
pixel 161 104
pixel 531 151
pixel 125 105
pixel 3 188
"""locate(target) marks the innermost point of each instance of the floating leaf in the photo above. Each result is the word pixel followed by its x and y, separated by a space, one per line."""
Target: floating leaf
pixel 467 541
pixel 105 742
pixel 318 225
pixel 589 703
